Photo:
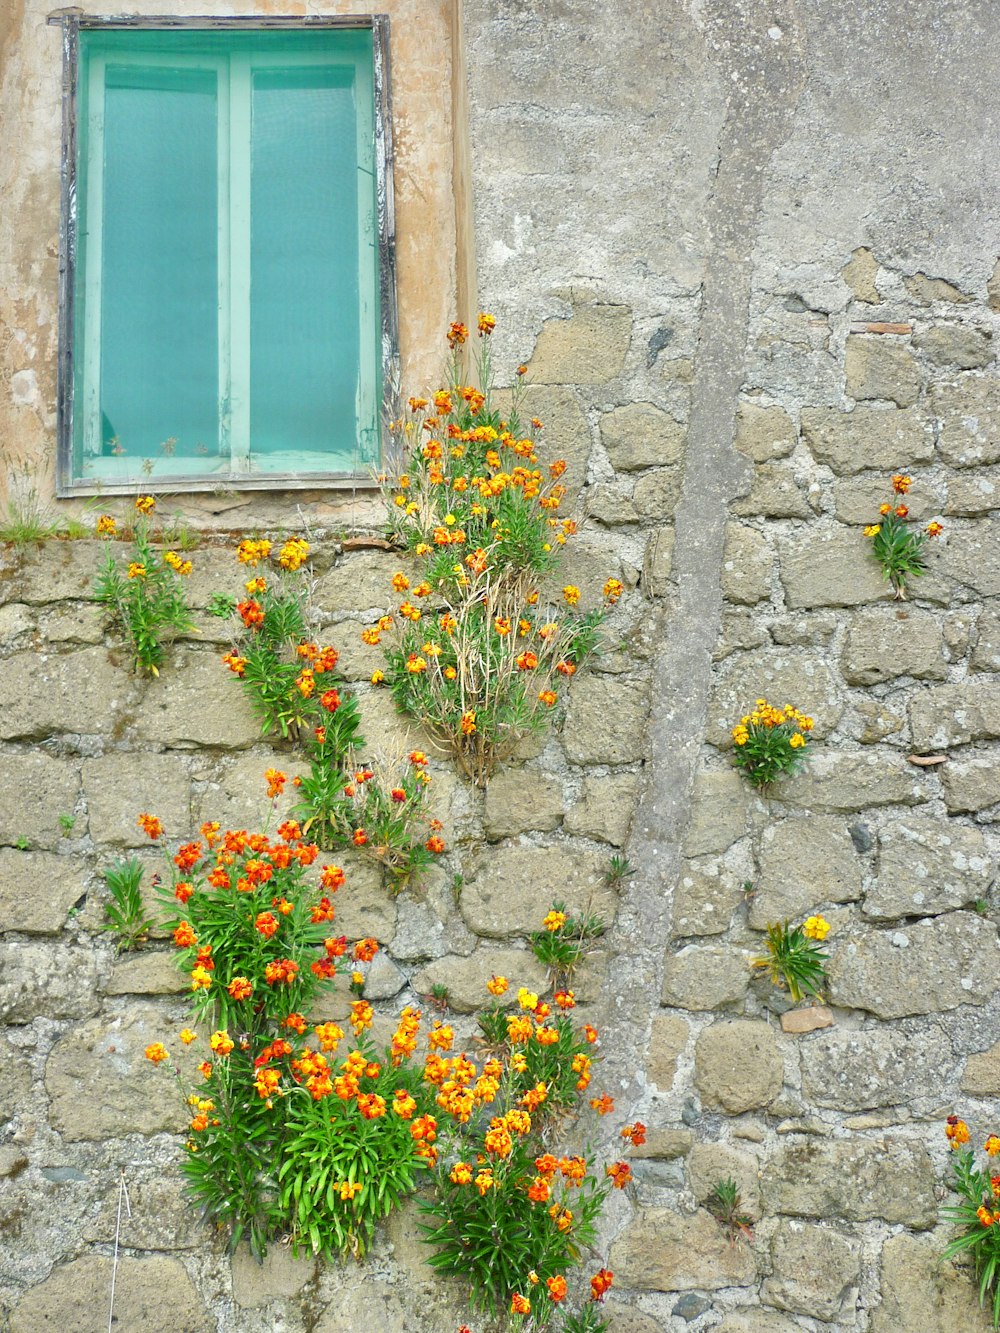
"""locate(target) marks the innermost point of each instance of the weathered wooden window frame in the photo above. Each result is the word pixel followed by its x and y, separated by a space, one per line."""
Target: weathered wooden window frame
pixel 72 24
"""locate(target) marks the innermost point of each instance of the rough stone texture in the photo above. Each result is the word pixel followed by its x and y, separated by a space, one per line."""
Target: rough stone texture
pixel 117 788
pixel 358 581
pixel 641 435
pixel 37 889
pixel 625 1320
pixel 658 562
pixel 764 433
pixel 746 568
pixel 512 888
pixel 520 800
pixel 54 788
pixel 956 345
pixel 147 974
pixel 829 568
pixel 605 721
pixel 857 499
pixel 868 437
pixel 757 1321
pixel 738 1066
pixel 55 979
pixel 667 1038
pixel 969 416
pixel 971 784
pixel 708 1163
pixel 986 653
pixel 664 1144
pixel 815 1271
pixel 281 1274
pixel 588 348
pixel 466 978
pixel 365 905
pixel 879 369
pixel 954 715
pixel 198 702
pixel 775 493
pixel 719 809
pixel 704 901
pixel 855 1071
pixel 973 562
pixel 154 1294
pixel 883 643
pixel 861 274
pixel 705 977
pixel 972 493
pixel 234 791
pixel 656 493
pixel 854 1179
pixel 567 432
pixel 804 863
pixel 921 969
pixel 15 1079
pixel 922 1293
pixel 981 1076
pixel 666 1251
pixel 42 694
pixel 848 781
pixel 604 808
pixel 927 866
pixel 162 1217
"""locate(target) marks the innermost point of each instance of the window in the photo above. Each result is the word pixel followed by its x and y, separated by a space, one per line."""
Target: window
pixel 228 302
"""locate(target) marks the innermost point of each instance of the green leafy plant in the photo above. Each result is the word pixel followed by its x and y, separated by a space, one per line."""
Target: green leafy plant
pixel 618 871
pixel 66 824
pixel 146 598
pixel 24 516
pixel 976 1216
pixel 898 546
pixel 794 959
pixel 564 940
pixel 725 1205
pixel 126 916
pixel 473 651
pixel 769 742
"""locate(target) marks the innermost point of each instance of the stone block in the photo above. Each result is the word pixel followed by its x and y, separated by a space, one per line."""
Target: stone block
pixel 658 562
pixel 15 1079
pixel 801 678
pixel 54 785
pixel 360 581
pixel 588 348
pixel 857 499
pixel 153 1293
pixel 747 561
pixel 803 865
pixel 738 1066
pixel 163 1218
pixel 986 652
pixel 233 789
pixel 928 866
pixel 955 715
pixel 881 370
pixel 815 1271
pixel 604 808
pixel 923 1293
pixel 44 694
pixel 764 433
pixel 521 800
pixel 60 571
pixel 853 1179
pixel 510 889
pixel 868 437
pixel 739 630
pixel 152 973
pixel 926 290
pixel 667 1038
pixel 919 969
pixel 606 720
pixel 719 809
pixel 829 568
pixel 71 624
pixel 625 1319
pixel 56 980
pixel 119 787
pixel 861 273
pixel 198 702
pixel 280 1276
pixel 702 977
pixel 641 435
pixel 566 429
pixel 664 1144
pixel 37 889
pixel 662 1250
pixel 973 561
pixel 466 977
pixel 757 1321
pixel 885 642
pixel 774 494
pixel 969 415
pixel 957 345
pixel 608 505
pixel 704 901
pixel 972 493
pixel 710 1163
pixel 846 780
pixel 365 905
pixel 859 1070
pixel 981 1076
pixel 971 785
pixel 655 494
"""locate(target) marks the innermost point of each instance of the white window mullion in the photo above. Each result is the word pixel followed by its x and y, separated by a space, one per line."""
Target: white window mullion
pixel 238 321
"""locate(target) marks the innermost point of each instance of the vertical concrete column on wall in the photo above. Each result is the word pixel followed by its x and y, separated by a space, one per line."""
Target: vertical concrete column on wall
pixel 757 47
pixel 466 292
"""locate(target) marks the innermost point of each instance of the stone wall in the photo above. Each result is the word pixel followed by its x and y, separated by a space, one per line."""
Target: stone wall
pixel 757 278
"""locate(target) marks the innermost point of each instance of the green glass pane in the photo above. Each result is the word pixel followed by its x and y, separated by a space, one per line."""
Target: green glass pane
pixel 159 378
pixel 304 294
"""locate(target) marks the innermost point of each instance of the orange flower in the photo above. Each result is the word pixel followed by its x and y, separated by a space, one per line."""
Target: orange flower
pixel 240 988
pixel 497 985
pixel 267 924
pixel 901 483
pixel 435 844
pixel 636 1133
pixel 221 1042
pixel 547 697
pixel 151 826
pixel 600 1284
pixel 571 593
pixel 992 1145
pixel 557 1288
pixel 519 1304
pixel 613 589
pixel 457 334
pixel 527 661
pixel 365 950
pixel 330 700
pixel 157 1053
pixel 468 722
pixel 603 1105
pixel 184 936
pixel 486 323
pixel 620 1173
pixel 934 529
pixel 957 1131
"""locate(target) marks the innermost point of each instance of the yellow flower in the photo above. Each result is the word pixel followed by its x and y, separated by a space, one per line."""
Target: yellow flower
pixel 816 928
pixel 136 570
pixel 527 999
pixel 145 504
pixel 873 529
pixel 796 741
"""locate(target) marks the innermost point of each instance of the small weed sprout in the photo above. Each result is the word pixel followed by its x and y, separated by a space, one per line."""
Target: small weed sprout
pixel 126 916
pixel 770 742
pixel 564 941
pixel 725 1205
pixel 24 517
pixel 439 995
pixel 66 824
pixel 794 959
pixel 619 870
pixel 22 843
pixel 896 544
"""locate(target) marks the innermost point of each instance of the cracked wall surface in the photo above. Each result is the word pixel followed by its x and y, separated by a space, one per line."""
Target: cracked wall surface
pixel 748 252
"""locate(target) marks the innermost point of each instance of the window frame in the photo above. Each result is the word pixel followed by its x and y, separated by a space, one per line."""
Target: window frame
pixel 72 24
